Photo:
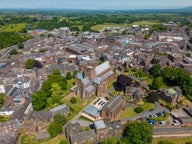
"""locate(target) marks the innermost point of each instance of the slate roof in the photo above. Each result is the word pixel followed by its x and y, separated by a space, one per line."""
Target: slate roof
pixel 83 136
pixel 85 81
pixel 9 139
pixel 102 67
pixel 79 75
pixel 98 80
pixel 112 126
pixel 89 89
pixel 114 103
pixel 58 108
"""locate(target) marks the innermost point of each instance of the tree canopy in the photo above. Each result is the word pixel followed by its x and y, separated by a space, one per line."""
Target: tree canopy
pixel 138 133
pixel 157 83
pixel 29 64
pixel 51 91
pixel 56 127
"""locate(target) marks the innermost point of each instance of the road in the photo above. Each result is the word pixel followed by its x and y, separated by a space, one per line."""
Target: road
pixel 172 132
pixel 7 51
pixel 158 108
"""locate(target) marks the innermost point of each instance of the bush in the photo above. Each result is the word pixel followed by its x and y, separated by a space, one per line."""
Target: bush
pixel 73 100
pixel 13 52
pixel 138 109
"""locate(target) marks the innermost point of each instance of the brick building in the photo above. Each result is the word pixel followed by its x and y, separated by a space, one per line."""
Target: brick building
pixel 112 109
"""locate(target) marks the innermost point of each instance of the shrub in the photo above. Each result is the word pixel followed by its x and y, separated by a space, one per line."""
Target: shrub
pixel 73 100
pixel 138 109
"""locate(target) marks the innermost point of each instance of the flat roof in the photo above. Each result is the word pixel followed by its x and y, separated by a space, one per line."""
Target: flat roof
pixel 92 110
pixel 100 124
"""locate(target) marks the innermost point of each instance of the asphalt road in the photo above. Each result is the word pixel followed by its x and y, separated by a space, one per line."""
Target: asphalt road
pixel 172 130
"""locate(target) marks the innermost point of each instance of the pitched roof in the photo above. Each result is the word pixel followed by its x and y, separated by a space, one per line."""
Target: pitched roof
pixel 102 67
pixel 58 108
pixel 114 103
pixel 85 81
pixel 83 136
pixel 89 89
pixel 98 80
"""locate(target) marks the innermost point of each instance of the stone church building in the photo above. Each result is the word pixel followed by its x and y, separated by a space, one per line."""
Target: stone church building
pixel 94 80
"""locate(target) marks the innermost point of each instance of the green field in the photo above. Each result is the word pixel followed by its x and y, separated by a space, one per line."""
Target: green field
pixel 174 140
pixel 143 23
pixel 13 27
pixel 105 25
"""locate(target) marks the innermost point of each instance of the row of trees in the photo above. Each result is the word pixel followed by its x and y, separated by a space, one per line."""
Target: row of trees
pixel 172 77
pixel 51 92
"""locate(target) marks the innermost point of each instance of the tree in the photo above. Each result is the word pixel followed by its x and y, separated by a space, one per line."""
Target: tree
pixel 60 119
pixel 111 140
pixel 56 127
pixel 13 52
pixel 138 133
pixel 56 92
pixel 37 64
pixel 138 109
pixel 1 100
pixel 140 73
pixel 29 64
pixel 155 70
pixel 20 45
pixel 157 83
pixel 73 100
pixel 39 100
pixel 75 73
pixel 68 76
pixel 124 32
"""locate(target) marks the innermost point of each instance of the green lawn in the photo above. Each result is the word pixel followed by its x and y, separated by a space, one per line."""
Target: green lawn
pixel 173 140
pixel 77 107
pixel 13 27
pixel 127 113
pixel 148 106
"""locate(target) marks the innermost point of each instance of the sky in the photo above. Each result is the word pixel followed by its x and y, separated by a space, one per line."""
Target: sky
pixel 96 4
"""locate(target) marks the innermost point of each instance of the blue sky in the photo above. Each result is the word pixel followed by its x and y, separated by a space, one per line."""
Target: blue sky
pixel 96 4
